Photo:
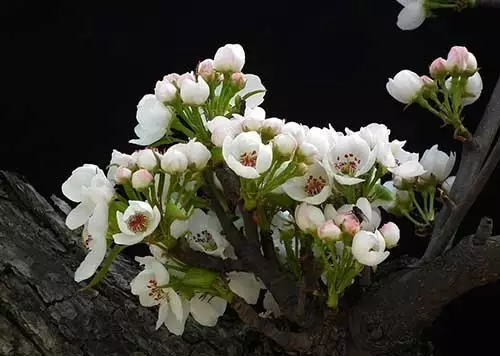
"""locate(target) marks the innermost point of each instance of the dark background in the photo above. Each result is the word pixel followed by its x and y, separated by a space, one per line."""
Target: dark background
pixel 73 72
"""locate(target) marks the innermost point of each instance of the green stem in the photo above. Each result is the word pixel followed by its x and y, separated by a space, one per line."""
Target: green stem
pixel 408 216
pixel 419 208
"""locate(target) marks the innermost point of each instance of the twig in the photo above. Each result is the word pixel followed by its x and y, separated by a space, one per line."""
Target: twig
pixel 251 228
pixel 470 179
pixel 267 244
pixel 286 339
pixel 488 3
pixel 202 260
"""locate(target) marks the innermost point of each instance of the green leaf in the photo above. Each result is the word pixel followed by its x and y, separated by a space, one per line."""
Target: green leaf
pixel 281 200
pixel 105 266
pixel 114 206
pixel 199 277
pixel 249 94
pixel 217 154
pixel 173 211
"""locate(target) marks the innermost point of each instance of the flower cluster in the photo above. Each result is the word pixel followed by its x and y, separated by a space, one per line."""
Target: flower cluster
pixel 315 190
pixel 454 82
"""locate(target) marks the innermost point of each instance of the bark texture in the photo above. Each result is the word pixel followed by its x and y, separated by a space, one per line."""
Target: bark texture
pixel 42 312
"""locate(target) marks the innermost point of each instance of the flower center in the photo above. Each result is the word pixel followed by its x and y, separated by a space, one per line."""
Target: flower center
pixel 138 223
pixel 348 164
pixel 155 292
pixel 314 185
pixel 87 240
pixel 249 159
pixel 205 239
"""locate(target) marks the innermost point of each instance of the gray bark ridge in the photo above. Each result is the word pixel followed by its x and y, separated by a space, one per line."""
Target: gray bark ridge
pixel 42 311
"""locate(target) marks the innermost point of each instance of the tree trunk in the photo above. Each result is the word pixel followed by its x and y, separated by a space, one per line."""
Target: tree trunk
pixel 42 311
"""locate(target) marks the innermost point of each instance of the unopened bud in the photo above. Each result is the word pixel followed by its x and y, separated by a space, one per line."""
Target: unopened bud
pixel 147 159
pixel 122 175
pixel 307 153
pixel 438 67
pixel 206 69
pixel 141 179
pixel 238 80
pixel 174 161
pixel 285 144
pixel 272 127
pixel 165 91
pixel 329 231
pixel 348 222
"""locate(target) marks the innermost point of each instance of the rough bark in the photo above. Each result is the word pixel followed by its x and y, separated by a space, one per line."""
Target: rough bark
pixel 42 312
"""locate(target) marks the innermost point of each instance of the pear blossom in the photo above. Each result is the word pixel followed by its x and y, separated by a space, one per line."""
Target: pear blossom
pixel 174 161
pixel 178 228
pixel 282 221
pixel 148 285
pixel 194 92
pixel 122 175
pixel 307 153
pixel 205 234
pixel 119 159
pixel 320 139
pixel 405 87
pixel 154 120
pixel 207 309
pixel 270 304
pixel 473 89
pixel 298 131
pixel 159 252
pixel 221 127
pixel 272 126
pixel 89 187
pixel 373 134
pixel 412 15
pixel 245 285
pixel 308 217
pixel 254 88
pixel 329 231
pixel 438 165
pixel 147 159
pixel 460 59
pixel 401 198
pixel 350 158
pixel 141 179
pixel 196 153
pixel 95 243
pixel 205 69
pixel 407 165
pixel 138 221
pixel 285 144
pixel 230 58
pixel 372 214
pixel 369 248
pixel 313 187
pixel 165 91
pixel 447 184
pixel 253 119
pixel 246 155
pixel 348 222
pixel 390 232
pixel 438 67
pixel 179 79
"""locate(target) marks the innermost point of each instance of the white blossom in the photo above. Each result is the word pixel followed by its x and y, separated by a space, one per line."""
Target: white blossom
pixel 154 120
pixel 165 91
pixel 194 92
pixel 371 213
pixel 308 217
pixel 438 165
pixel 119 159
pixel 245 285
pixel 369 248
pixel 285 144
pixel 207 309
pixel 405 87
pixel 221 127
pixel 246 155
pixel 174 161
pixel 390 232
pixel 230 58
pixel 147 159
pixel 412 15
pixel 138 221
pixel 313 187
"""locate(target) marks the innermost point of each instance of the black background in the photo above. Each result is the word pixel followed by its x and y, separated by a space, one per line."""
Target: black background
pixel 73 72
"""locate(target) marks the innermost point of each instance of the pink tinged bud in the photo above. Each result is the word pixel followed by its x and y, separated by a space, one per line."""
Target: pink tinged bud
pixel 147 159
pixel 285 144
pixel 230 58
pixel 206 69
pixel 348 222
pixel 174 161
pixel 141 179
pixel 391 234
pixel 438 67
pixel 172 78
pixel 238 80
pixel 122 175
pixel 329 231
pixel 194 93
pixel 165 91
pixel 428 82
pixel 457 59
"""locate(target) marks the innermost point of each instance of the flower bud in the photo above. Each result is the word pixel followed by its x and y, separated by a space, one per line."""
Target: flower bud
pixel 438 68
pixel 272 126
pixel 194 93
pixel 405 87
pixel 329 231
pixel 308 217
pixel 122 175
pixel 428 82
pixel 230 58
pixel 473 89
pixel 174 161
pixel 165 91
pixel 141 179
pixel 238 80
pixel 206 69
pixel 285 144
pixel 348 223
pixel 179 79
pixel 390 232
pixel 254 118
pixel 457 59
pixel 307 153
pixel 198 155
pixel 172 78
pixel 147 159
pixel 178 228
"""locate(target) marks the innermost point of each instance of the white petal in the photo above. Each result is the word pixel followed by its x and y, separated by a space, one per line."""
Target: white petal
pixel 346 180
pixel 175 303
pixel 139 285
pixel 264 158
pixel 153 223
pixel 79 216
pixel 206 310
pixel 174 325
pixel 92 261
pixel 125 239
pixel 163 313
pixel 411 16
pixel 244 285
pixel 270 304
